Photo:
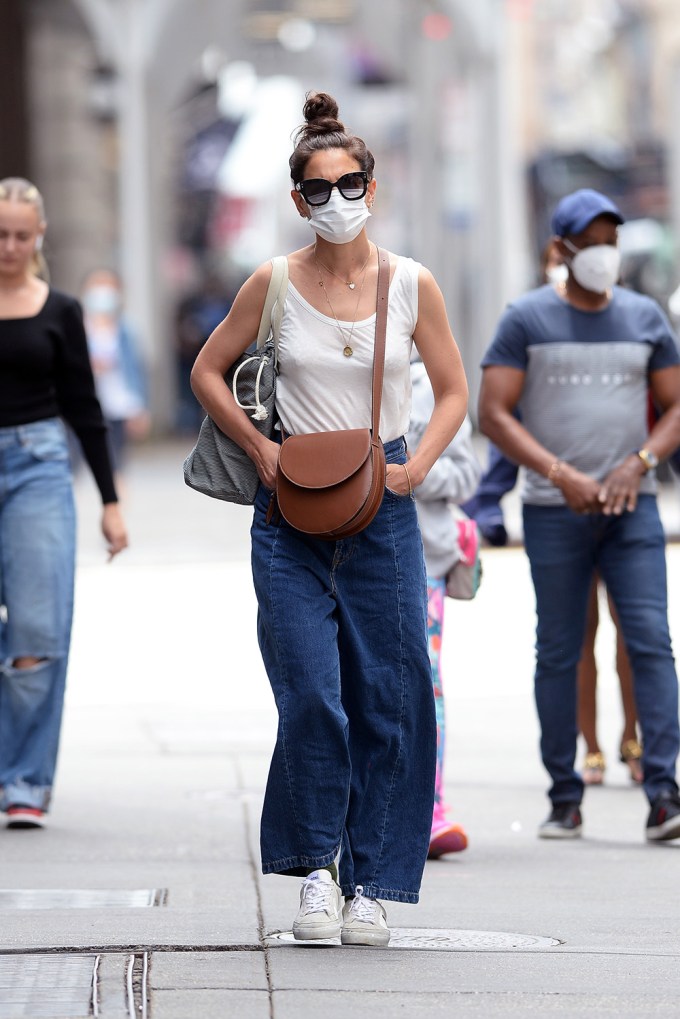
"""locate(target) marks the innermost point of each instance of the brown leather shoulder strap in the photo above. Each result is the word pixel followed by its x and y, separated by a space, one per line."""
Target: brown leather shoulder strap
pixel 380 338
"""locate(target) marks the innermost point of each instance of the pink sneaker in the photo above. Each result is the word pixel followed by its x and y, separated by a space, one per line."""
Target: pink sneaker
pixel 450 838
pixel 445 837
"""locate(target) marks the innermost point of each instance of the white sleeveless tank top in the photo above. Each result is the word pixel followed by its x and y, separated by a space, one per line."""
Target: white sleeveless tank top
pixel 319 389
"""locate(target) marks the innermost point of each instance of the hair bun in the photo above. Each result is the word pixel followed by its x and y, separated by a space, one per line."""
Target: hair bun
pixel 321 115
pixel 322 132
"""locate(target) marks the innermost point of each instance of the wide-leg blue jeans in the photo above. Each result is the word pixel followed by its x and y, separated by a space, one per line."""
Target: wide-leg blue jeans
pixel 564 549
pixel 37 557
pixel 342 628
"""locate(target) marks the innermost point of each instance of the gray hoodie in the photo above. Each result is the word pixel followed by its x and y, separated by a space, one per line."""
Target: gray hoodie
pixel 453 479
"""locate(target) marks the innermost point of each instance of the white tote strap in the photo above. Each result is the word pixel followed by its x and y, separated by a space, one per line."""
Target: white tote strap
pixel 272 313
pixel 270 324
pixel 259 408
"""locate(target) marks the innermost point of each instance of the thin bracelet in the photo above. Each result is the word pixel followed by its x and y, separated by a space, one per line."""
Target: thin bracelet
pixel 554 471
pixel 410 486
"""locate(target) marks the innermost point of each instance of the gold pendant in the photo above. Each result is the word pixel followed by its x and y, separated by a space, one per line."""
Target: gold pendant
pixel 348 351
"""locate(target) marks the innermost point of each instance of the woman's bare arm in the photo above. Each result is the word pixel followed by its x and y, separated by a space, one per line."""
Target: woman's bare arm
pixel 225 344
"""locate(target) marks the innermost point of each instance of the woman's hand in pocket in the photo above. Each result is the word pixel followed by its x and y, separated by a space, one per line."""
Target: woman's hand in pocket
pixel 397 479
pixel 266 459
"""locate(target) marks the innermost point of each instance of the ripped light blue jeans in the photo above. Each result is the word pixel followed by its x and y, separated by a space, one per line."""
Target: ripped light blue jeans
pixel 342 627
pixel 37 561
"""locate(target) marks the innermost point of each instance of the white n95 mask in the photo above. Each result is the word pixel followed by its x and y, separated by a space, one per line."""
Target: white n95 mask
pixel 597 268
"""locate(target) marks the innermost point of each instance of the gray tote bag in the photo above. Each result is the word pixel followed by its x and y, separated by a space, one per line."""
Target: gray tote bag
pixel 217 466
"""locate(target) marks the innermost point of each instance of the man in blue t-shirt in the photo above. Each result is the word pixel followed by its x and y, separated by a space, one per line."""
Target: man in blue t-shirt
pixel 579 361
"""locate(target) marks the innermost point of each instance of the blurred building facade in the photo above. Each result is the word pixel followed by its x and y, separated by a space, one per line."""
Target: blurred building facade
pixel 601 85
pixel 159 132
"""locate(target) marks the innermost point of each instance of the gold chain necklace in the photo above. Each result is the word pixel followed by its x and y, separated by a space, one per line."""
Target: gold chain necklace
pixel 348 283
pixel 347 350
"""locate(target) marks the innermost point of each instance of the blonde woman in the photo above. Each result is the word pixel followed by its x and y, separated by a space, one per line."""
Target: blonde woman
pixel 45 376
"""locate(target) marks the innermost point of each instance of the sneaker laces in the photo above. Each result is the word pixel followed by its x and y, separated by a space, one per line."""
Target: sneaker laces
pixel 362 908
pixel 316 895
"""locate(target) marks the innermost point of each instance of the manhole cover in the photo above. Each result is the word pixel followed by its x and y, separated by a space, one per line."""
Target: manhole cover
pixel 436 939
pixel 66 898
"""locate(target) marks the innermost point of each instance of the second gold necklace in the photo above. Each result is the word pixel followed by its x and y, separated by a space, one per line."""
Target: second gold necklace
pixel 348 350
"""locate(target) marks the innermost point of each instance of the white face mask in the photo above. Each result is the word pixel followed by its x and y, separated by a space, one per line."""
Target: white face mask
pixel 557 274
pixel 597 268
pixel 339 220
pixel 101 300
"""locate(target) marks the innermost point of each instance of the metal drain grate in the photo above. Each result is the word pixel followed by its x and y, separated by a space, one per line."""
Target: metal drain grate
pixel 66 898
pixel 64 986
pixel 47 986
pixel 435 939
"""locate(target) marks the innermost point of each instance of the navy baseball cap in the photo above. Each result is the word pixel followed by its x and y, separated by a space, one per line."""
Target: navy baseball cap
pixel 577 210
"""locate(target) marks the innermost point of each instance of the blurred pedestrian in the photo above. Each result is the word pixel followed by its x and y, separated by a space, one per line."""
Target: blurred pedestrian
pixel 343 624
pixel 45 375
pixel 198 316
pixel 485 507
pixel 581 357
pixel 450 481
pixel 119 372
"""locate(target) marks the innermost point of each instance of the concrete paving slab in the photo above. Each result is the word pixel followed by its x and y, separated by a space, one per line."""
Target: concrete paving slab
pixel 490 1005
pixel 178 879
pixel 208 971
pixel 527 972
pixel 118 930
pixel 211 1004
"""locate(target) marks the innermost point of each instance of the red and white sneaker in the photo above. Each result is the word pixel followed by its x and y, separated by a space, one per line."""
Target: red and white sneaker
pixel 19 816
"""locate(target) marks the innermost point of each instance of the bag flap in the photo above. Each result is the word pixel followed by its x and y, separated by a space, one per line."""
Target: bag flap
pixel 322 459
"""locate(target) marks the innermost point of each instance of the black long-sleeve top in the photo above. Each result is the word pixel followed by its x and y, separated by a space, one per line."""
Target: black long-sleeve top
pixel 45 372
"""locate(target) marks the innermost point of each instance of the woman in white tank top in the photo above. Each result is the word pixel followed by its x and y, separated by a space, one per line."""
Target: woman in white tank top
pixel 342 625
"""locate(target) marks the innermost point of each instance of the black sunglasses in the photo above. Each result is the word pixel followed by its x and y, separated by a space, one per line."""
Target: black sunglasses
pixel 317 190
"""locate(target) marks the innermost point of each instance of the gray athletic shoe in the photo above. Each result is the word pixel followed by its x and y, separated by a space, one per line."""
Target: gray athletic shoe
pixel 319 913
pixel 563 822
pixel 364 922
pixel 663 822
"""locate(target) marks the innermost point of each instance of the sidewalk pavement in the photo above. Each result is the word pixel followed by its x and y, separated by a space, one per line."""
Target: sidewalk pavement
pixel 144 896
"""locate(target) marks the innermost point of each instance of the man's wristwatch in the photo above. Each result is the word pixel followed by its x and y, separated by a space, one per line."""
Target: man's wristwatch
pixel 649 459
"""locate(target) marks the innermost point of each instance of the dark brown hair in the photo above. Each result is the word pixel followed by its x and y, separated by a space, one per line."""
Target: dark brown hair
pixel 322 131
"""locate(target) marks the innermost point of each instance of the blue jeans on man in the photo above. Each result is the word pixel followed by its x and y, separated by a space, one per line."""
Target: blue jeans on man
pixel 564 548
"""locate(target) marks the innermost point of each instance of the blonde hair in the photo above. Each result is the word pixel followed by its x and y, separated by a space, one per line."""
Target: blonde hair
pixel 18 189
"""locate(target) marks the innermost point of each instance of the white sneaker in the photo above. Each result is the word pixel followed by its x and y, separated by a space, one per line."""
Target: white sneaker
pixel 319 913
pixel 364 921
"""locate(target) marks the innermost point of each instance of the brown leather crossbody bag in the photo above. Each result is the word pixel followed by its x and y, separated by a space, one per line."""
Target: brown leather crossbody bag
pixel 331 484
